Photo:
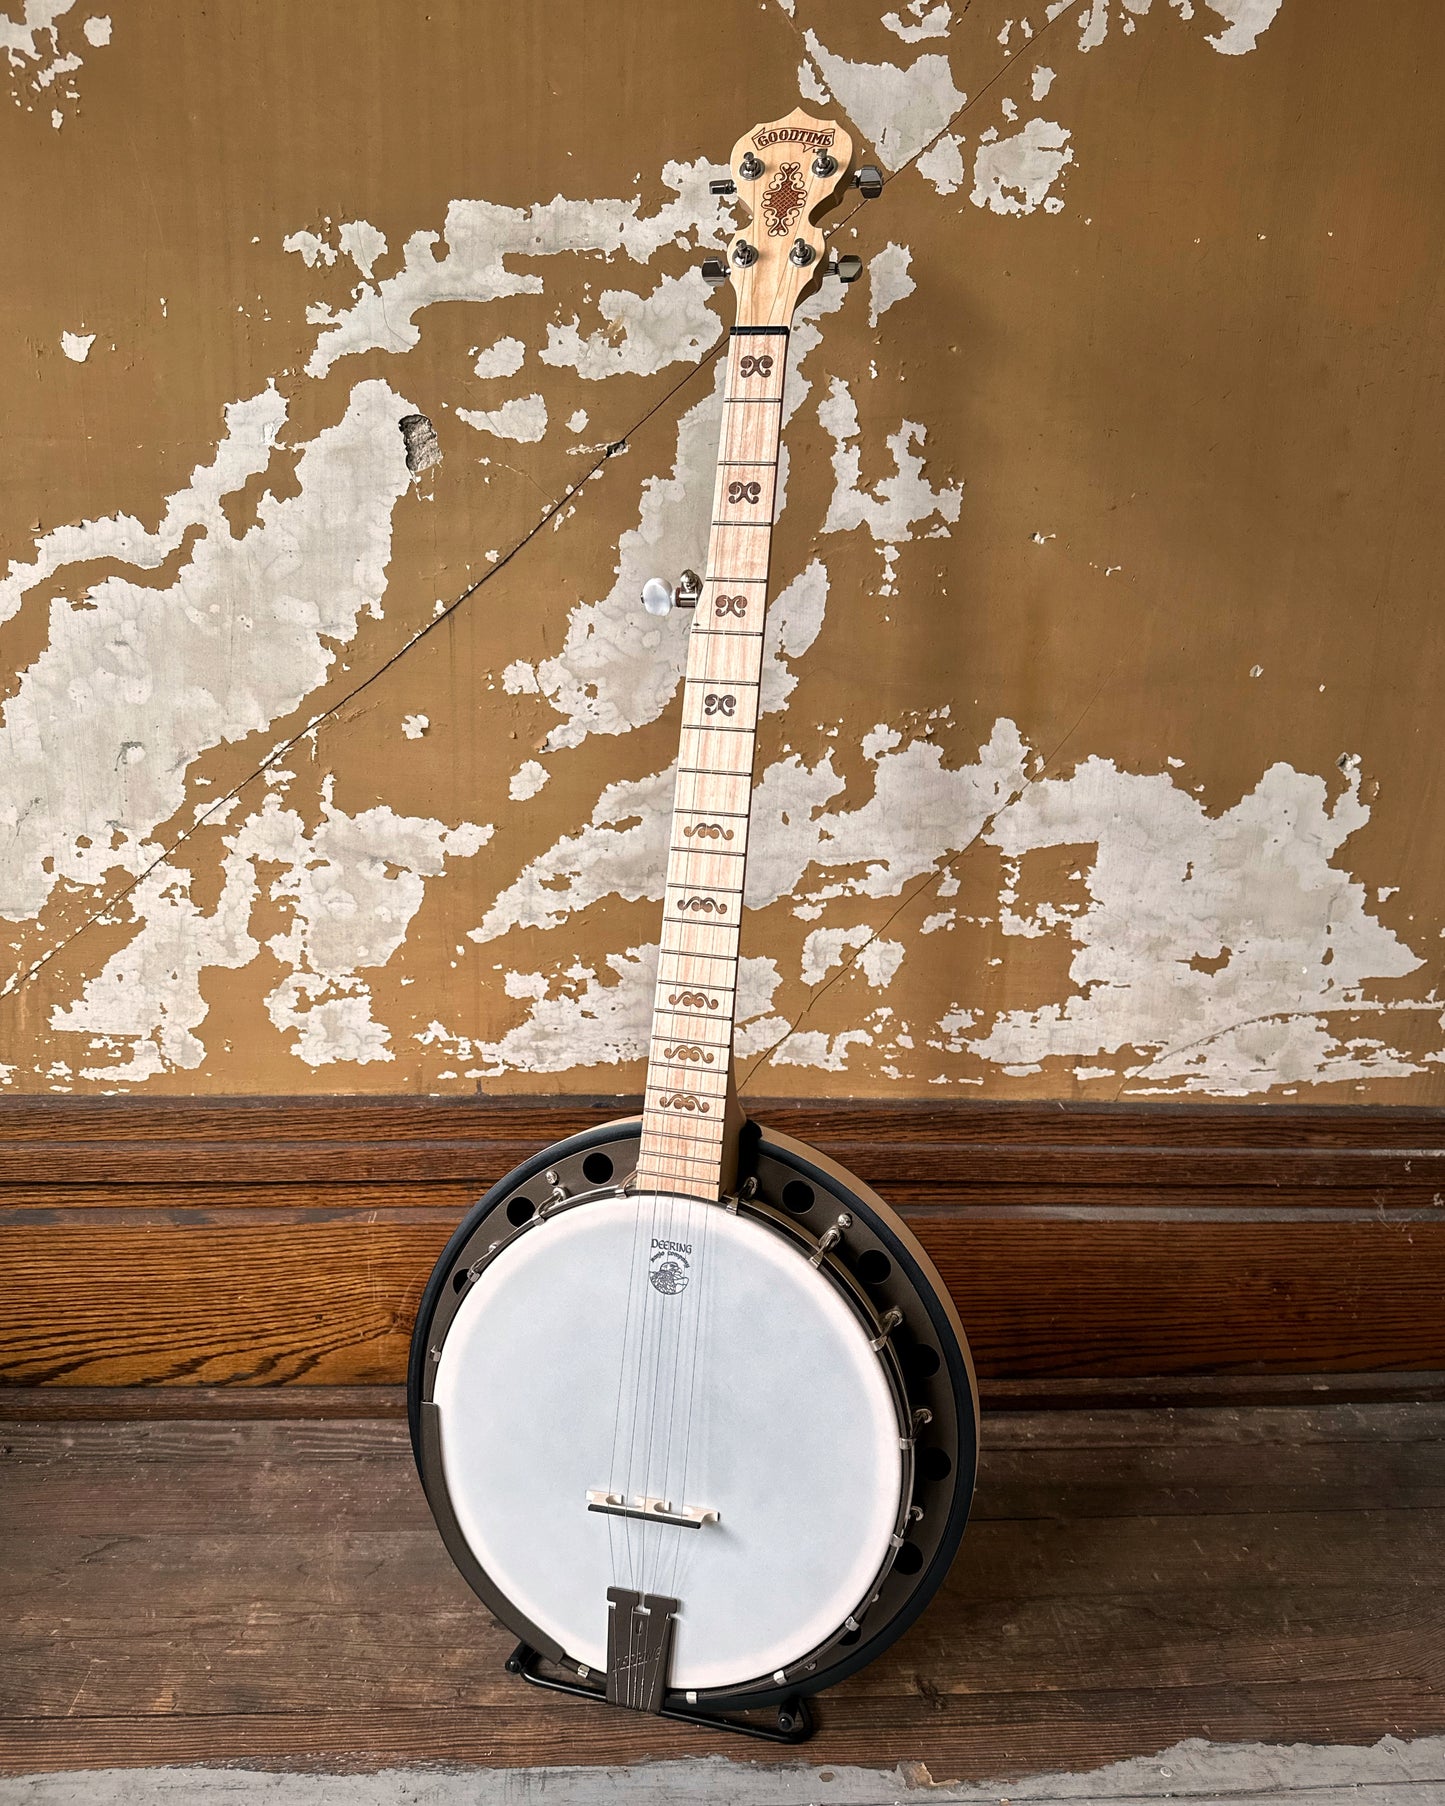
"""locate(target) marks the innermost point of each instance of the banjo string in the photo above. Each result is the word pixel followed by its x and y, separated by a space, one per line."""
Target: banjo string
pixel 627 1333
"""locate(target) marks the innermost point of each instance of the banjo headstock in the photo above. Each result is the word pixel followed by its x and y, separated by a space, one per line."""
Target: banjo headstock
pixel 784 171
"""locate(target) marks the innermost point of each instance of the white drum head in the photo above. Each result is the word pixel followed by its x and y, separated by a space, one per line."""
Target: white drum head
pixel 656 1347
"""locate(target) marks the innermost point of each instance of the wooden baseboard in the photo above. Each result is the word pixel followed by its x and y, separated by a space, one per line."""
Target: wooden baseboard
pixel 204 1243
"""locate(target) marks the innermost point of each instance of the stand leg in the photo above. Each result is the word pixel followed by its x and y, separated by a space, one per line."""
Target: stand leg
pixel 795 1722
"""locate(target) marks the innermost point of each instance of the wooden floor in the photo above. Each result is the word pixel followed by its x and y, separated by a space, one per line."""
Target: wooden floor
pixel 273 1594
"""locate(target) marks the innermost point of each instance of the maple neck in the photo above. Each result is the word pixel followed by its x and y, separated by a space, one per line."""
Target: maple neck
pixel 689 1116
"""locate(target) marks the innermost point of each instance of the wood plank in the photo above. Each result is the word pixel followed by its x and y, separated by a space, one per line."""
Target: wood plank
pixel 332 1303
pixel 273 1593
pixel 536 1121
pixel 143 1241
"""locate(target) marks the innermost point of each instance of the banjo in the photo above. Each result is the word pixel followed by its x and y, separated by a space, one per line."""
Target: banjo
pixel 691 1407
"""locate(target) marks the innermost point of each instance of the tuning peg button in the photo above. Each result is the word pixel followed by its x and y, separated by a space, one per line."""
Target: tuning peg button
pixel 722 187
pixel 659 597
pixel 714 270
pixel 869 180
pixel 847 268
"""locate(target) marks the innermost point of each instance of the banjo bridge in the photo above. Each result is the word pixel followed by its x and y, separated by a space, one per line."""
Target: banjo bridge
pixel 650 1511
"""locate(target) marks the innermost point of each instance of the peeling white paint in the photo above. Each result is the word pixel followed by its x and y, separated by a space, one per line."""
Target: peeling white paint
pixel 942 164
pixel 1246 20
pixel 244 451
pixel 1174 893
pixel 643 333
pixel 622 852
pixel 90 763
pixel 918 811
pixel 30 47
pixel 899 110
pixel 363 243
pixel 482 236
pixel 504 358
pixel 76 345
pixel 527 781
pixel 888 280
pixel 1041 81
pixel 310 247
pixel 414 726
pixel 793 621
pixel 352 886
pixel 599 1021
pixel 1015 175
pixel 927 22
pixel 878 960
pixel 523 418
pixel 895 504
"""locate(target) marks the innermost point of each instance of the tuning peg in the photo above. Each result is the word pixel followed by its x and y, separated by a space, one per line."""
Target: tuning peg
pixel 750 168
pixel 722 187
pixel 847 267
pixel 869 181
pixel 824 165
pixel 659 597
pixel 714 270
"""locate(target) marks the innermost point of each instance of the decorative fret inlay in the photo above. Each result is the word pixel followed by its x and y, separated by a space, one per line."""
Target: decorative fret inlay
pixel 691 1040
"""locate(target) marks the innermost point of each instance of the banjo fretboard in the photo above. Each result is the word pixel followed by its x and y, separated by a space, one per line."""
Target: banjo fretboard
pixel 690 1053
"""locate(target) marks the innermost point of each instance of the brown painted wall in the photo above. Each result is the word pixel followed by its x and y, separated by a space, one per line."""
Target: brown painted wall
pixel 1108 764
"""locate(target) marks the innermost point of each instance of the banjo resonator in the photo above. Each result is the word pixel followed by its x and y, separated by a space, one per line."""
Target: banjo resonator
pixel 692 1409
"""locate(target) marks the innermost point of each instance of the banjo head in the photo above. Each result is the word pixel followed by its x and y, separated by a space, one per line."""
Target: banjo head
pixel 657 1348
pixel 640 1390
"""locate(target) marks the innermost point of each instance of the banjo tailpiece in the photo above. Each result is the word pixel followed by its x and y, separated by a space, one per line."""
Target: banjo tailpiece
pixel 639 1647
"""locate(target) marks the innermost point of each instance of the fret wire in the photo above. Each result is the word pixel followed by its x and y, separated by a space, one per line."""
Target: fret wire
pixel 716 727
pixel 743 683
pixel 753 401
pixel 730 633
pixel 732 814
pixel 690 953
pixel 713 771
pixel 748 463
pixel 726 890
pixel 710 853
pixel 749 524
pixel 689 1081
pixel 711 579
pixel 697 1040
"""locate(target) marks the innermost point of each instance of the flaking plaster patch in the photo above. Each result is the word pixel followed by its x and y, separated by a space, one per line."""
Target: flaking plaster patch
pixel 926 21
pixel 523 418
pixel 504 358
pixel 38 68
pixel 918 811
pixel 1016 174
pixel 481 238
pixel 1217 947
pixel 896 504
pixel 251 430
pixel 898 110
pixel 642 333
pixel 76 345
pixel 888 280
pixel 527 781
pixel 942 164
pixel 878 960
pixel 136 682
pixel 352 886
pixel 603 1022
